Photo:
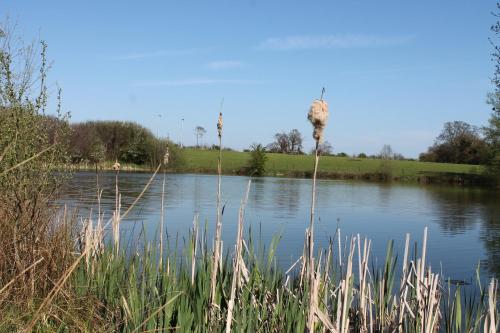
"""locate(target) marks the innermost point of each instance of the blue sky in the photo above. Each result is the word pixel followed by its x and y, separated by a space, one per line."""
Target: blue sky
pixel 394 71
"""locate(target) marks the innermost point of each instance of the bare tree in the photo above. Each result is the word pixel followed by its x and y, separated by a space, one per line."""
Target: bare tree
pixel 295 141
pixel 199 132
pixel 325 148
pixel 281 144
pixel 287 143
pixel 386 153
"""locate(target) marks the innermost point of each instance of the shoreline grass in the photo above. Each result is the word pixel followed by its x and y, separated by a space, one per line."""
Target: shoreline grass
pixel 132 291
pixel 284 164
pixel 300 166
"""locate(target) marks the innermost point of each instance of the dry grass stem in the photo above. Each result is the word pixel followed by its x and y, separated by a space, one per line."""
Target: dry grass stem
pixel 194 245
pixel 238 263
pixel 60 283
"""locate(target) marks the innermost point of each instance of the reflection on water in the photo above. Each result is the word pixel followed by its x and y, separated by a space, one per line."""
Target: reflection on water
pixel 464 224
pixel 465 210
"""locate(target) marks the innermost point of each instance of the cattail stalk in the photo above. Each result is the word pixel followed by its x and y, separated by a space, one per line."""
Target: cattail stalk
pixel 318 116
pixel 194 245
pixel 237 261
pixel 116 213
pixel 313 206
pixel 404 286
pixel 165 162
pixel 492 320
pixel 217 245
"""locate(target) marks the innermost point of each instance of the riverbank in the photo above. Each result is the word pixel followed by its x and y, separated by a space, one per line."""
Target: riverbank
pixel 330 167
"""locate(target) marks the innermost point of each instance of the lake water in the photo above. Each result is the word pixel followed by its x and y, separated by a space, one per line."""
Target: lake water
pixel 463 223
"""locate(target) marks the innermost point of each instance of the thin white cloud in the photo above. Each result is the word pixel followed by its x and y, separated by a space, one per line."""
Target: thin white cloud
pixel 333 41
pixel 392 70
pixel 224 64
pixel 191 82
pixel 157 54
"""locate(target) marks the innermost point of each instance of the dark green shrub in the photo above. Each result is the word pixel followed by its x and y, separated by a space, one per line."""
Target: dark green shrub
pixel 257 162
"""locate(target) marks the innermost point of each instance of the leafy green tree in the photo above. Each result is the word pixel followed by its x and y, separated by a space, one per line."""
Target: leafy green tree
pixel 125 141
pixel 492 135
pixel 176 156
pixel 492 131
pixel 140 149
pixel 458 142
pixel 97 153
pixel 257 162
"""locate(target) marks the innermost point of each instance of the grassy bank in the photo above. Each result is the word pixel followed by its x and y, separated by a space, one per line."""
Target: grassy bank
pixel 205 161
pixel 283 164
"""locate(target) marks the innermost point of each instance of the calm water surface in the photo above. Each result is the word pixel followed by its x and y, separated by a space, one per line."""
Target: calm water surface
pixel 464 223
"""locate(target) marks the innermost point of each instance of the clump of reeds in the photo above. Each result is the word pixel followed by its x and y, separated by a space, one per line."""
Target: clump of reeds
pixel 259 296
pixel 91 238
pixel 240 271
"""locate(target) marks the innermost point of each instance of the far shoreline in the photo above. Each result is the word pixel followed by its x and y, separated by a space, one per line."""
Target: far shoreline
pixel 425 178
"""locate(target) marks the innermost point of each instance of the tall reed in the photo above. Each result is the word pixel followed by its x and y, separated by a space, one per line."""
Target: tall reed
pixel 318 116
pixel 116 213
pixel 239 267
pixel 162 214
pixel 218 227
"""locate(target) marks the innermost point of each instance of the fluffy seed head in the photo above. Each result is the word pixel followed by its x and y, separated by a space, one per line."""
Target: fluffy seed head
pixel 219 125
pixel 116 166
pixel 318 116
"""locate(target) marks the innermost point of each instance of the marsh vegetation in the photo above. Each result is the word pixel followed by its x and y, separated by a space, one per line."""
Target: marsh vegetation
pixel 61 273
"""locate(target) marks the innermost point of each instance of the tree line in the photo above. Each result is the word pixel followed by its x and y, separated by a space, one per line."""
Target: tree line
pixel 129 142
pixel 459 142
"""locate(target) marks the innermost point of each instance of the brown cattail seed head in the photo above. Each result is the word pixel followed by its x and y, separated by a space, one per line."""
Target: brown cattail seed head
pixel 219 125
pixel 318 116
pixel 116 166
pixel 166 157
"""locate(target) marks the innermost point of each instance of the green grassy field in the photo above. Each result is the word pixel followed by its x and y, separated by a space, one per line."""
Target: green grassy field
pixel 281 164
pixel 233 162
